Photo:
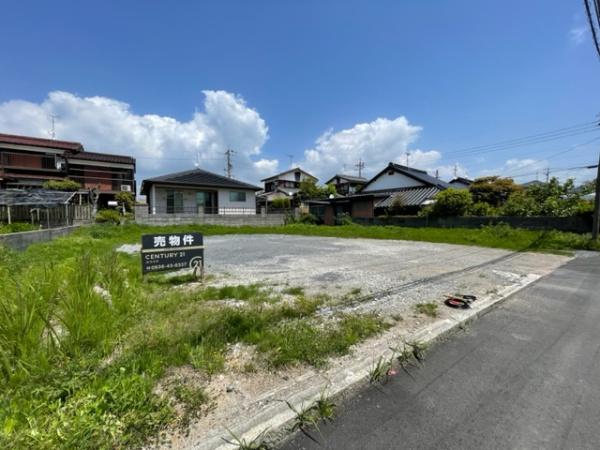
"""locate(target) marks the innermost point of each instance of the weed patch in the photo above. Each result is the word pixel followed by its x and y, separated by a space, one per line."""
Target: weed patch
pixel 428 309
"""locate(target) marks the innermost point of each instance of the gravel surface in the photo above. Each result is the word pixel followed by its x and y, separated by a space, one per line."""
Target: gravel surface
pixel 391 275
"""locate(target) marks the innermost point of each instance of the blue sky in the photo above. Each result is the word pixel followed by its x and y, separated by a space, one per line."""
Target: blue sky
pixel 325 81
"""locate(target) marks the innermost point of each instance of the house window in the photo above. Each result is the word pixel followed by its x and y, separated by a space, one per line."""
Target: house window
pixel 236 196
pixel 174 202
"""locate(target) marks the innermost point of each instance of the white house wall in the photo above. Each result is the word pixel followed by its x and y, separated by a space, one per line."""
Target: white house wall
pixel 159 200
pixel 394 181
pixel 249 204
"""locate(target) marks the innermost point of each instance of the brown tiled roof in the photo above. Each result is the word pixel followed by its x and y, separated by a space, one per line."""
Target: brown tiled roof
pixel 103 157
pixel 39 142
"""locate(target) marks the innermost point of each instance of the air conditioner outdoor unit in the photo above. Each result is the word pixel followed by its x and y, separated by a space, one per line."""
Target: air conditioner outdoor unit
pixel 126 187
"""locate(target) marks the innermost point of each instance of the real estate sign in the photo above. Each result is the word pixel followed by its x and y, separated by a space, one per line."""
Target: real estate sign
pixel 172 251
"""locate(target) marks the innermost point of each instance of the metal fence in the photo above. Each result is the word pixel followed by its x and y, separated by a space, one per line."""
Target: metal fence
pixel 46 216
pixel 204 210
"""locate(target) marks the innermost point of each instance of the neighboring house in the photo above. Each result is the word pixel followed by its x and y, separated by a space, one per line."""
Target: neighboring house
pixel 460 183
pixel 284 185
pixel 395 186
pixel 198 191
pixel 347 184
pixel 27 162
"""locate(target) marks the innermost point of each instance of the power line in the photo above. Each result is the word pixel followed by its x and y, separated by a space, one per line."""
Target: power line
pixel 526 142
pixel 591 21
pixel 554 155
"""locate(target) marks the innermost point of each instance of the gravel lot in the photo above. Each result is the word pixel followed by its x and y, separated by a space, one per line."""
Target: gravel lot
pixel 391 275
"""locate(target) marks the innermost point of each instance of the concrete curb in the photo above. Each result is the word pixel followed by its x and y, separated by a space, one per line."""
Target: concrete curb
pixel 341 378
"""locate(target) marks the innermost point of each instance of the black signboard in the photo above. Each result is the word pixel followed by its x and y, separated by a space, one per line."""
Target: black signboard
pixel 172 251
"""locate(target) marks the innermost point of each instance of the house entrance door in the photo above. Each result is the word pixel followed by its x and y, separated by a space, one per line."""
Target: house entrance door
pixel 206 201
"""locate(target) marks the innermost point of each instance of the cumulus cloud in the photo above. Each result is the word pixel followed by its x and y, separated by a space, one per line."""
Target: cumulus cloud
pixel 376 143
pixel 161 144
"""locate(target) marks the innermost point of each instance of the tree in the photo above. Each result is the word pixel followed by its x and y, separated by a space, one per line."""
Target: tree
pixel 62 185
pixel 126 199
pixel 493 190
pixel 482 209
pixel 281 203
pixel 588 187
pixel 547 199
pixel 452 202
pixel 310 189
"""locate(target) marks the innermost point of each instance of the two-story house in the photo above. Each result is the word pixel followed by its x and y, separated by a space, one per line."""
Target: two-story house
pixel 347 184
pixel 284 185
pixel 27 162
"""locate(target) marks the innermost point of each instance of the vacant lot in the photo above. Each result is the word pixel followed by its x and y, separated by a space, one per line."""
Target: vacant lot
pixel 370 274
pixel 402 283
pixel 92 356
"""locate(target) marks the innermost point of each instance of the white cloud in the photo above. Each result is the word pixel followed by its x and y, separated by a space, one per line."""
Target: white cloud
pixel 376 143
pixel 266 167
pixel 161 144
pixel 578 34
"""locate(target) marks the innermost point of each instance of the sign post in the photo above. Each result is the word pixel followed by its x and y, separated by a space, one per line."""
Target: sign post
pixel 173 251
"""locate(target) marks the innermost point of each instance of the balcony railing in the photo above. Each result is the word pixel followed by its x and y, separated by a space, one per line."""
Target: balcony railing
pixel 24 161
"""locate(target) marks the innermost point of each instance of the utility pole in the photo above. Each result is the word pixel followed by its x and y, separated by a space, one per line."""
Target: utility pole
pixel 547 171
pixel 407 156
pixel 437 173
pixel 596 220
pixel 229 167
pixel 455 169
pixel 360 166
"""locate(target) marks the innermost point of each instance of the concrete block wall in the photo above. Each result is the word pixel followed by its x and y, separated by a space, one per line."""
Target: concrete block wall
pixel 20 241
pixel 211 219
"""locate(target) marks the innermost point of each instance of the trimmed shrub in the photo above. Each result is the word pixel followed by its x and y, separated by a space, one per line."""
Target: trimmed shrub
pixel 452 202
pixel 108 216
pixel 62 185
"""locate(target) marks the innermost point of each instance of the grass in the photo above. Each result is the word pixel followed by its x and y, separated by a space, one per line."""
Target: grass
pixel 79 366
pixel 17 227
pixel 258 443
pixel 429 309
pixel 380 370
pixel 78 369
pixel 295 290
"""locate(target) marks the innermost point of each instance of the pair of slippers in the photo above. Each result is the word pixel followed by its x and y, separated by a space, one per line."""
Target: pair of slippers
pixel 459 301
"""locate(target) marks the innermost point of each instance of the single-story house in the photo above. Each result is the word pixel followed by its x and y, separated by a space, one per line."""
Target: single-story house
pixel 198 191
pixel 396 186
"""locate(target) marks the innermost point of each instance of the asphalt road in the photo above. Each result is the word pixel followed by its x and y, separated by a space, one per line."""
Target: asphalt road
pixel 524 376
